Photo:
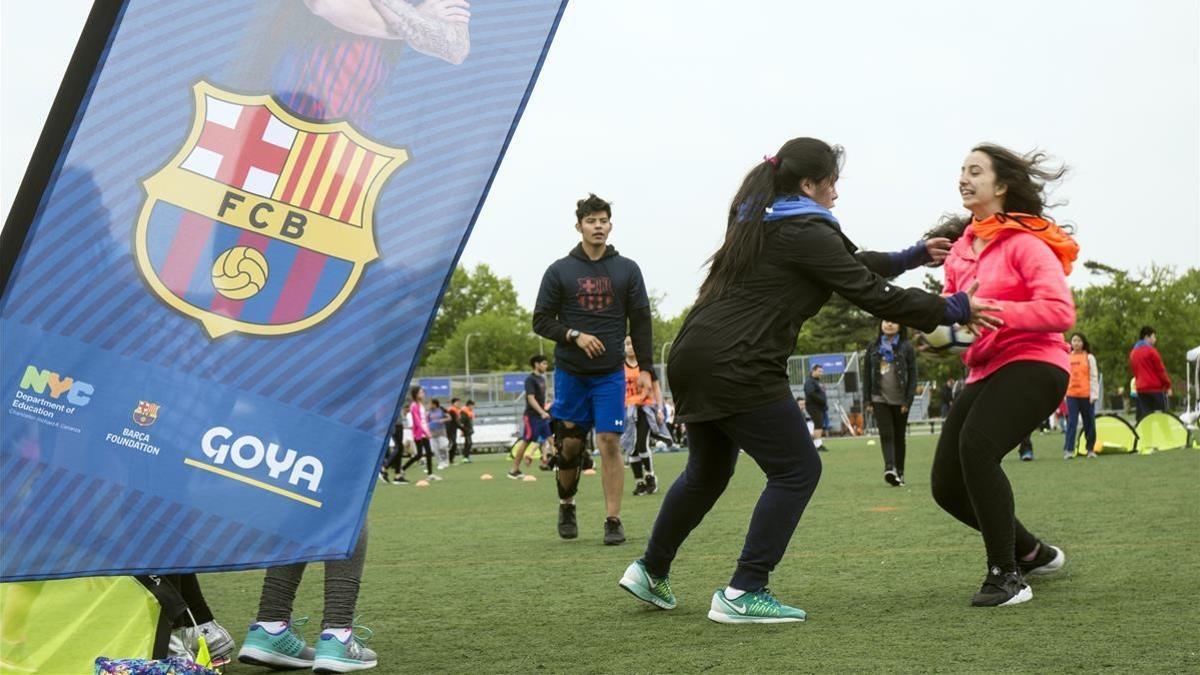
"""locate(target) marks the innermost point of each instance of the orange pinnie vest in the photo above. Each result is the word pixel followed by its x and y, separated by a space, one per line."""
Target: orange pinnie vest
pixel 631 388
pixel 1080 384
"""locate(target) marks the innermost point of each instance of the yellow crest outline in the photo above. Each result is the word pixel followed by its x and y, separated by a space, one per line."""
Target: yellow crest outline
pixel 360 250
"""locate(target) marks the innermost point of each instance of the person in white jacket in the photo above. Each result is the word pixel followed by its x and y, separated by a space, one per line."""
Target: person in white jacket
pixel 1192 415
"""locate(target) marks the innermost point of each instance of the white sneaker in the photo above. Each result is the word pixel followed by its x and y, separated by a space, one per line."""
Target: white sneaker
pixel 442 466
pixel 433 477
pixel 186 642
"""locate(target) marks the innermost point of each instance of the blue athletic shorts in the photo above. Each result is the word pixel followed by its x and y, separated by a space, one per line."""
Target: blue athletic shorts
pixel 590 400
pixel 535 428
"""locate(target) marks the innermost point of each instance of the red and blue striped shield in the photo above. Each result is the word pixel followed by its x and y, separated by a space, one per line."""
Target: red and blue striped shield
pixel 262 222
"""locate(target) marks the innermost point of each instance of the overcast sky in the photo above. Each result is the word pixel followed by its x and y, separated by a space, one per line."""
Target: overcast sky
pixel 663 106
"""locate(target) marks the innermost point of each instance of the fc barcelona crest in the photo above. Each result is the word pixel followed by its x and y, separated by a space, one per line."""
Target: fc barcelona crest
pixel 262 222
pixel 145 414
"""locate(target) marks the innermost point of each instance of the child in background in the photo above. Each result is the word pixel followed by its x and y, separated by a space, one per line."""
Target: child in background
pixel 438 418
pixel 466 424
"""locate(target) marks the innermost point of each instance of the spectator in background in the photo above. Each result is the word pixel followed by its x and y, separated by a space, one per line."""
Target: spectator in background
pixel 420 433
pixel 804 411
pixel 888 390
pixel 817 405
pixel 946 396
pixel 452 426
pixel 1153 385
pixel 466 423
pixel 1082 391
pixel 535 421
pixel 401 440
pixel 437 433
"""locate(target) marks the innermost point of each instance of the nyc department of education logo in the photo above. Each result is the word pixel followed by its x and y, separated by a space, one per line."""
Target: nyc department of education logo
pixel 262 222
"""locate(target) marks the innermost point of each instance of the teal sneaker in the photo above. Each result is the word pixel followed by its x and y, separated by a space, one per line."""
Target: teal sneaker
pixel 335 656
pixel 760 607
pixel 281 650
pixel 646 588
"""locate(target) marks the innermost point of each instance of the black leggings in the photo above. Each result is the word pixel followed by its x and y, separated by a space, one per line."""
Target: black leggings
pixel 639 459
pixel 893 427
pixel 776 438
pixel 423 449
pixel 985 423
pixel 468 444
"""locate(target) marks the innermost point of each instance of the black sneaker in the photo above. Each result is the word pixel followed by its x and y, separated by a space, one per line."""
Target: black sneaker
pixel 400 480
pixel 900 480
pixel 651 484
pixel 614 532
pixel 891 477
pixel 567 527
pixel 1049 559
pixel 515 475
pixel 639 489
pixel 1001 589
pixel 1026 456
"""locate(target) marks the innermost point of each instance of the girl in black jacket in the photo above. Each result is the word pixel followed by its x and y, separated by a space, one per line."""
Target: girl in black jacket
pixel 784 255
pixel 888 389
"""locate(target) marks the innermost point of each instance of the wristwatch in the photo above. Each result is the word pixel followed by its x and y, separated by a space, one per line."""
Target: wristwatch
pixel 572 335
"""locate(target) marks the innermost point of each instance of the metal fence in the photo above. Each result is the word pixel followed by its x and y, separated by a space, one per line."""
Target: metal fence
pixel 498 404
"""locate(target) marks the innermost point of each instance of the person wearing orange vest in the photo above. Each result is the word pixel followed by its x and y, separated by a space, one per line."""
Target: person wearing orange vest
pixel 466 424
pixel 1083 388
pixel 635 441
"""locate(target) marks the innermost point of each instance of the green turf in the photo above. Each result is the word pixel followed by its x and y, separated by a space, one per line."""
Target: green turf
pixel 469 576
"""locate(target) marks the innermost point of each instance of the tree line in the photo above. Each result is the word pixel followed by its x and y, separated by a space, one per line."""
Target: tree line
pixel 1110 311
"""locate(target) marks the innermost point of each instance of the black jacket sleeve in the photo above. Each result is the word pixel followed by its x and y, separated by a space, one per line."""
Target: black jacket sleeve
pixel 821 253
pixel 910 362
pixel 547 307
pixel 868 380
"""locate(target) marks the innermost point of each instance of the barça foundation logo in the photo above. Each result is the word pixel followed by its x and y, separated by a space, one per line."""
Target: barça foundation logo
pixel 145 414
pixel 262 222
pixel 595 294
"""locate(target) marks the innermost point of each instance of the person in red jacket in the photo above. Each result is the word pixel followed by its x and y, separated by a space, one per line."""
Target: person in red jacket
pixel 1149 374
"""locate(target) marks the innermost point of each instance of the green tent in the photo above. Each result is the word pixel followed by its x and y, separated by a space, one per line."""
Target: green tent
pixel 1114 435
pixel 62 626
pixel 1161 431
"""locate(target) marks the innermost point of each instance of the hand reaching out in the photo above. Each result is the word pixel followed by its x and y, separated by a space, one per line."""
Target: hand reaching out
pixel 938 248
pixel 980 318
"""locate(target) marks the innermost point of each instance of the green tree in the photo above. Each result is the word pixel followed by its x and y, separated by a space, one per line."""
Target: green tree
pixel 471 293
pixel 500 341
pixel 1111 313
pixel 838 327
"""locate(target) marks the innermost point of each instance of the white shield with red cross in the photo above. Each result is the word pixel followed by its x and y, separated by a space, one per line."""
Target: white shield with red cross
pixel 262 222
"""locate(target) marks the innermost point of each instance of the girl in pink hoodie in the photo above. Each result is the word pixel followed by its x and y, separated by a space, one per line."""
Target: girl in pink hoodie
pixel 420 432
pixel 1017 372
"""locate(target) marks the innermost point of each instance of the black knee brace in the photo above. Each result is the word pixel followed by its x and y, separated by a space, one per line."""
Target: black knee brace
pixel 562 432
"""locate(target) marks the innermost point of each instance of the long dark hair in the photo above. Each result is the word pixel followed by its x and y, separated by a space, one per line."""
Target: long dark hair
pixel 799 159
pixel 1025 176
pixel 1087 346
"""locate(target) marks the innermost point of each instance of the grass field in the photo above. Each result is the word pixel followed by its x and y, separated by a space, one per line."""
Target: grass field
pixel 469 576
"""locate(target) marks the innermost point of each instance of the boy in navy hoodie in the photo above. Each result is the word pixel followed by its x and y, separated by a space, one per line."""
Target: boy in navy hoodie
pixel 588 302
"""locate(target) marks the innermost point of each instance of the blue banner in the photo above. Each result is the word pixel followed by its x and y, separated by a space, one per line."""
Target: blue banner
pixel 435 387
pixel 833 364
pixel 231 268
pixel 514 383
